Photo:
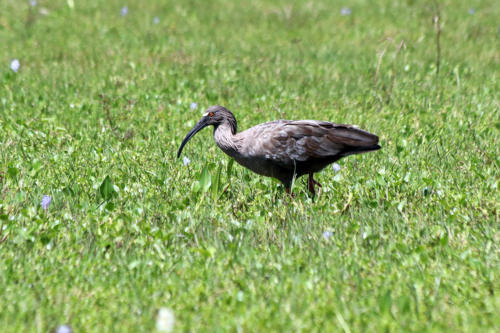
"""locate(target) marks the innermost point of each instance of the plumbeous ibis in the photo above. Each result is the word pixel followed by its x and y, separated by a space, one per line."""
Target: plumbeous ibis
pixel 284 149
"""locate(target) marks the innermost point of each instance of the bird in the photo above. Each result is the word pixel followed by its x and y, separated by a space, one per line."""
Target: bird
pixel 284 149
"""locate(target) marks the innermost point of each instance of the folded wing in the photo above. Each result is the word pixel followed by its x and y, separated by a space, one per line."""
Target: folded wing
pixel 286 142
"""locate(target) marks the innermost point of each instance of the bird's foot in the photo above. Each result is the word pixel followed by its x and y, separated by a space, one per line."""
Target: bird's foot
pixel 290 193
pixel 310 185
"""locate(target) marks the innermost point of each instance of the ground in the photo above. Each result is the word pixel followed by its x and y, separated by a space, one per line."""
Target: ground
pixel 402 239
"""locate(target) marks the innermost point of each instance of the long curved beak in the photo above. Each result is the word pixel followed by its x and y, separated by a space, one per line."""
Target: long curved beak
pixel 198 127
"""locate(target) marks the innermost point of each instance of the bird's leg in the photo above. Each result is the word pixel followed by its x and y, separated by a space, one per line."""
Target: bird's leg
pixel 310 184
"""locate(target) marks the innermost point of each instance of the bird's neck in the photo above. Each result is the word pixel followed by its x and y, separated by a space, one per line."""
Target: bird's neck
pixel 225 139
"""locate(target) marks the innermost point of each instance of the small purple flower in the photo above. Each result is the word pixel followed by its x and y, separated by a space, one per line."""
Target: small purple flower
pixel 194 106
pixel 336 167
pixel 33 3
pixel 45 202
pixel 64 329
pixel 14 65
pixel 345 11
pixel 186 161
pixel 327 235
pixel 156 20
pixel 124 11
pixel 472 11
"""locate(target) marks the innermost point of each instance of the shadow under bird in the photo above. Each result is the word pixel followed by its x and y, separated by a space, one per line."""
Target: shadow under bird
pixel 284 149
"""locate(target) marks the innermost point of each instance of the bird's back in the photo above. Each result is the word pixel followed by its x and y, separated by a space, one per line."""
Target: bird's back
pixel 287 142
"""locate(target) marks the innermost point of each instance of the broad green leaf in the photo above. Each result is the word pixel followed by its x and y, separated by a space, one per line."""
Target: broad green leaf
pixel 229 168
pixel 217 182
pixel 196 187
pixel 110 206
pixel 205 180
pixel 106 189
pixel 13 172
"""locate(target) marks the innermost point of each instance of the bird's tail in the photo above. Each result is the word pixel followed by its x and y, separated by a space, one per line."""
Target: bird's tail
pixel 360 150
pixel 354 136
pixel 356 140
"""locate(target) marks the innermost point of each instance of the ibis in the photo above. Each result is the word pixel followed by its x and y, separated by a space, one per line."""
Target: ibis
pixel 284 149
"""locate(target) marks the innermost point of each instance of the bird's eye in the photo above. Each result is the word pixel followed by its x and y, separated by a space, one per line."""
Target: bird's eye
pixel 210 114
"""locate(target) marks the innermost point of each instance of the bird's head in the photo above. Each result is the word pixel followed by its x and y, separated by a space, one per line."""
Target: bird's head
pixel 215 116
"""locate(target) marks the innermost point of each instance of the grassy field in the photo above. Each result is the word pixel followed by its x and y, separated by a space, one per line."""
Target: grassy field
pixel 403 239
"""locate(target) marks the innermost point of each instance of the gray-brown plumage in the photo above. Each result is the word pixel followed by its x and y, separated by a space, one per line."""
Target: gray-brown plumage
pixel 285 148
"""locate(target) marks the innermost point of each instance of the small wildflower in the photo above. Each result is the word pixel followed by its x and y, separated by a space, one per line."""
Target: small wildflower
pixel 64 329
pixel 165 320
pixel 45 202
pixel 186 161
pixel 194 106
pixel 14 65
pixel 336 167
pixel 472 11
pixel 44 11
pixel 327 235
pixel 156 20
pixel 33 3
pixel 345 11
pixel 124 11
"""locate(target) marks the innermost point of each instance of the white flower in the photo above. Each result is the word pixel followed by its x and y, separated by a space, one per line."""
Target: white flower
pixel 156 20
pixel 186 161
pixel 472 11
pixel 193 106
pixel 165 320
pixel 63 329
pixel 15 64
pixel 336 167
pixel 327 235
pixel 345 11
pixel 33 3
pixel 44 11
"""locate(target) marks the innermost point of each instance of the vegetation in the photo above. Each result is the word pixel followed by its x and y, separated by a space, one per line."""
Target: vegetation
pixel 403 239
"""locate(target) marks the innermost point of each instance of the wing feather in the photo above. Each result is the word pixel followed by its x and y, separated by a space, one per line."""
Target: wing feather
pixel 286 142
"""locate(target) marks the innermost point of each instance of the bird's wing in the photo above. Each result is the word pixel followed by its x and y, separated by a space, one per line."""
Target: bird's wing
pixel 346 135
pixel 286 142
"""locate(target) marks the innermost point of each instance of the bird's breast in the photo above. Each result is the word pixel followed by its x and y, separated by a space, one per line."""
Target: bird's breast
pixel 259 165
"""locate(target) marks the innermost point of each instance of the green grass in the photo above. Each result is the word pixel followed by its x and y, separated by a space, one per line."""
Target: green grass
pixel 415 226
